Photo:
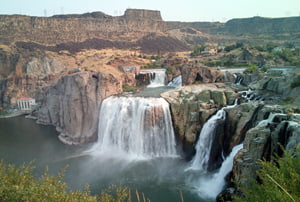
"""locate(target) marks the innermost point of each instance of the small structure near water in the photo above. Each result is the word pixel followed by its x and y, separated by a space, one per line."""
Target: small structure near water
pixel 26 103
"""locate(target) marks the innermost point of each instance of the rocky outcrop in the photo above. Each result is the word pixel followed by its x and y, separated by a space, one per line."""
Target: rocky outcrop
pixel 239 120
pixel 196 73
pixel 274 86
pixel 48 30
pixel 273 126
pixel 247 28
pixel 139 30
pixel 260 25
pixel 26 74
pixel 43 67
pixel 192 105
pixel 72 105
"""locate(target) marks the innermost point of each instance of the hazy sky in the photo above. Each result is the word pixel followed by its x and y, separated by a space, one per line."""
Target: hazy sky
pixel 171 10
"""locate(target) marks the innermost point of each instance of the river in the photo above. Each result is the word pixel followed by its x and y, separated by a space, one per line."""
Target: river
pixel 160 179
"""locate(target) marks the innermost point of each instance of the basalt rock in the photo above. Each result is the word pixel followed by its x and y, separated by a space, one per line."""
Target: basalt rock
pixel 262 142
pixel 195 73
pixel 72 105
pixel 191 106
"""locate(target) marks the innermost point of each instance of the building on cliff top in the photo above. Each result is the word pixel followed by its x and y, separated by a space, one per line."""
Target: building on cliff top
pixel 26 103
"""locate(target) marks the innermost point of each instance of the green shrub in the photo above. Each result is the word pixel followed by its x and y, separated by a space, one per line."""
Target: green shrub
pixel 170 69
pixel 287 101
pixel 19 184
pixel 3 112
pixel 296 82
pixel 251 68
pixel 128 88
pixel 280 180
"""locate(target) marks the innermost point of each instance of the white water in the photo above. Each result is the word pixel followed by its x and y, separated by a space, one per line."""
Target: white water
pixel 206 137
pixel 158 78
pixel 135 126
pixel 212 186
pixel 176 82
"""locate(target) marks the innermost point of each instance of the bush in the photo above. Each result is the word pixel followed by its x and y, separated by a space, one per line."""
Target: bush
pixel 296 82
pixel 170 69
pixel 197 50
pixel 128 88
pixel 280 180
pixel 19 184
pixel 251 68
pixel 3 112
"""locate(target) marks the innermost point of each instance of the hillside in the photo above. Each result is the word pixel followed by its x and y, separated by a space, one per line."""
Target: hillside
pixel 73 32
pixel 254 28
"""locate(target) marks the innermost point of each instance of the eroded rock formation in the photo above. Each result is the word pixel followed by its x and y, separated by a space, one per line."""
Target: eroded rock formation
pixel 72 105
pixel 196 73
pixel 191 106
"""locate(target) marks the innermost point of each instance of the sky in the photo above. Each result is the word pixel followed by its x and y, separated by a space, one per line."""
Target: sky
pixel 171 10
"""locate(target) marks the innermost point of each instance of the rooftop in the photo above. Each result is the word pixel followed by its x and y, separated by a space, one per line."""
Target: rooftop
pixel 26 98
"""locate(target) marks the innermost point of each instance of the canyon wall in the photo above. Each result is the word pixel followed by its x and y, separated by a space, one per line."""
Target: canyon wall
pixel 59 29
pixel 72 105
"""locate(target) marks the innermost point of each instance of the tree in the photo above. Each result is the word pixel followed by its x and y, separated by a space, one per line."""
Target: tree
pixel 279 180
pixel 251 68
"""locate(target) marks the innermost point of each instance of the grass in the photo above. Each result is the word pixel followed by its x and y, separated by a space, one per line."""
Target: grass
pixel 128 88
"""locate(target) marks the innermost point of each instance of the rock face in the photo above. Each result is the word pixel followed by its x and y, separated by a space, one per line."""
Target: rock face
pixel 72 105
pixel 275 85
pixel 142 30
pixel 195 73
pixel 26 74
pixel 40 68
pixel 192 105
pixel 272 126
pixel 47 30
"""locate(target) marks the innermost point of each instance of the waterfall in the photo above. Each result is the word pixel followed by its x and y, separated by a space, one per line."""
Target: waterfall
pixel 176 82
pixel 206 137
pixel 136 126
pixel 157 78
pixel 212 186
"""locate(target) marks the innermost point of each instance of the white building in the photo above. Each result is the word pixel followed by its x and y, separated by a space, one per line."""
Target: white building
pixel 26 103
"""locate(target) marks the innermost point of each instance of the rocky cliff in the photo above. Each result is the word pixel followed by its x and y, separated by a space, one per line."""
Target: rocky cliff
pixel 191 106
pixel 91 30
pixel 263 126
pixel 78 28
pixel 244 28
pixel 73 103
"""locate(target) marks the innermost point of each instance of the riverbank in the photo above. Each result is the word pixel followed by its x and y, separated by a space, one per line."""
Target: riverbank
pixel 14 114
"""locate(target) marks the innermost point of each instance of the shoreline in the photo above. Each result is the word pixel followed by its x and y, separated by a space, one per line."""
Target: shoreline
pixel 14 114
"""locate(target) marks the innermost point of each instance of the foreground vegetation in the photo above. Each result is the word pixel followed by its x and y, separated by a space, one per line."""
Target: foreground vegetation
pixel 279 180
pixel 19 184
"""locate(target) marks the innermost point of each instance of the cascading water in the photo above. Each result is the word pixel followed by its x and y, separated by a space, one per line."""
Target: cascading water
pixel 140 127
pixel 206 137
pixel 157 78
pixel 212 186
pixel 176 82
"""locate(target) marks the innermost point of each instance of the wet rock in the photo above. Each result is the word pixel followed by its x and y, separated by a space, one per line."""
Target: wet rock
pixel 191 106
